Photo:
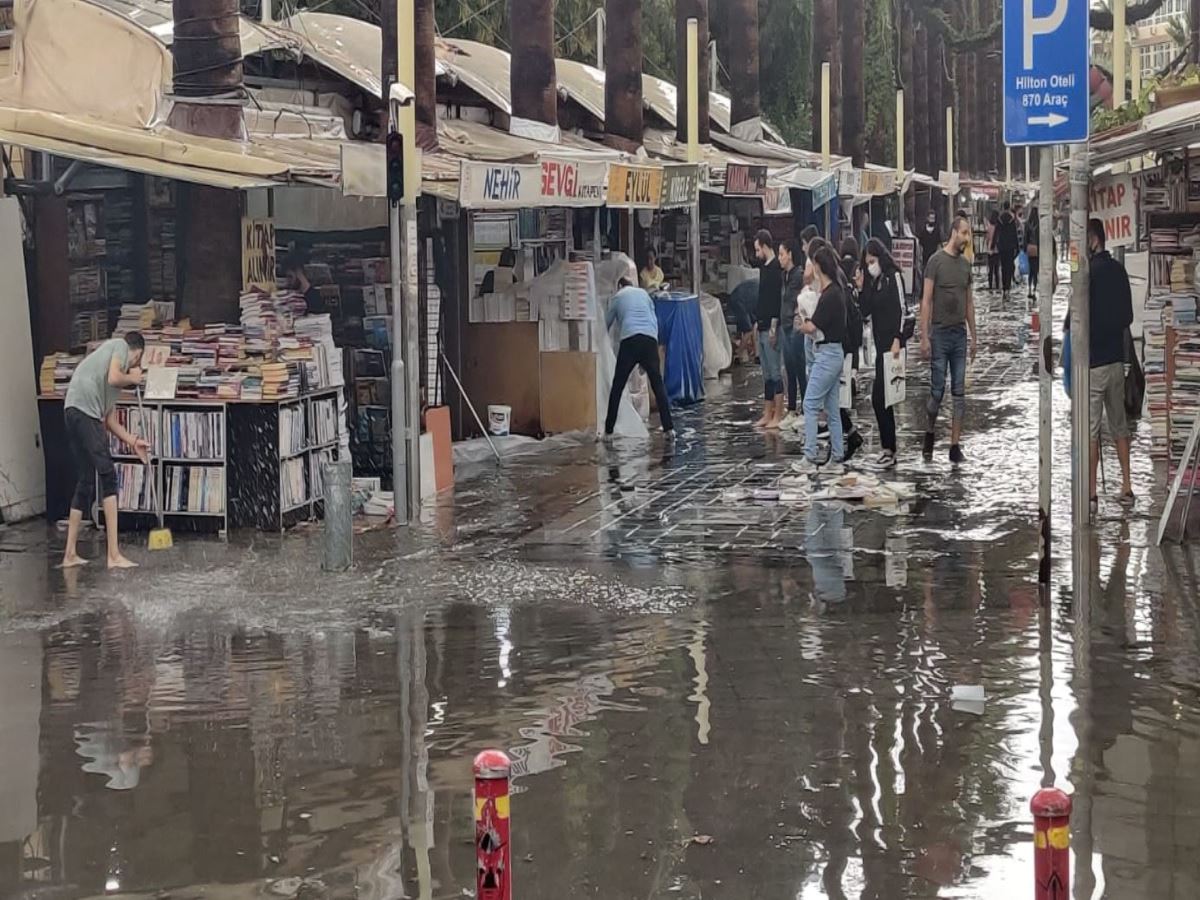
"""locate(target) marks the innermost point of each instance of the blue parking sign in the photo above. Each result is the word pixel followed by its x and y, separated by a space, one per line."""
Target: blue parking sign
pixel 1046 68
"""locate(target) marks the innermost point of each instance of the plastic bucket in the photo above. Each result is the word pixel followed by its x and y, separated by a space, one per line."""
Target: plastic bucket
pixel 499 418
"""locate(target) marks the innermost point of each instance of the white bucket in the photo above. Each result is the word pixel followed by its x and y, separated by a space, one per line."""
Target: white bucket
pixel 498 420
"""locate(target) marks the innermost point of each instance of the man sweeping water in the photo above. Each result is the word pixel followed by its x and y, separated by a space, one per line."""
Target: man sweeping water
pixel 90 415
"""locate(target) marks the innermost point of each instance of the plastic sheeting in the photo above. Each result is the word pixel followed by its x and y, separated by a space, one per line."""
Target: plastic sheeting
pixel 59 48
pixel 681 331
pixel 718 348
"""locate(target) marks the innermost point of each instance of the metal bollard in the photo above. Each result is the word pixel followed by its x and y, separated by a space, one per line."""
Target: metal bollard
pixel 1051 844
pixel 339 528
pixel 493 848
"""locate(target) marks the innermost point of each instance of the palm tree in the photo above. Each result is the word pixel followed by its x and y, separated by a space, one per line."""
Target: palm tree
pixel 825 50
pixel 854 97
pixel 623 70
pixel 741 26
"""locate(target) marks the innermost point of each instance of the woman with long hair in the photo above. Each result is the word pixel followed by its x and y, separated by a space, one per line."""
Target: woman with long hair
pixel 993 231
pixel 882 303
pixel 827 328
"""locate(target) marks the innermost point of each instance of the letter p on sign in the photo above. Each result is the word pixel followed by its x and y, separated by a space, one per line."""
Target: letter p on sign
pixel 1040 25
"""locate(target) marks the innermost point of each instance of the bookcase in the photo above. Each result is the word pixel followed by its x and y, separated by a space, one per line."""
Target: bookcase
pixel 228 463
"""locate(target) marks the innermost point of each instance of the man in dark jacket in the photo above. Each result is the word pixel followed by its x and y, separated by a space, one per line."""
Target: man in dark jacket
pixel 1008 245
pixel 1110 302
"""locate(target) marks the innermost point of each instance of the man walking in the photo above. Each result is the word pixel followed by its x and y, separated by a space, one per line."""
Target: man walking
pixel 1008 245
pixel 770 297
pixel 1110 302
pixel 632 307
pixel 948 333
pixel 89 416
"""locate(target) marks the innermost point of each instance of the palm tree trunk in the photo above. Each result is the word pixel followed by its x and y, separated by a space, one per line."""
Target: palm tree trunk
pixel 623 70
pixel 425 60
pixel 741 26
pixel 825 50
pixel 907 62
pixel 920 100
pixel 684 10
pixel 854 98
pixel 532 80
pixel 1194 27
pixel 937 106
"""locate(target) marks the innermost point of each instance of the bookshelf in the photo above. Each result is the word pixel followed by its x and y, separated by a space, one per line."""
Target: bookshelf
pixel 225 463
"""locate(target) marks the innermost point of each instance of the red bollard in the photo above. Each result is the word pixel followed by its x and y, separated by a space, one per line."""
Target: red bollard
pixel 1051 844
pixel 493 848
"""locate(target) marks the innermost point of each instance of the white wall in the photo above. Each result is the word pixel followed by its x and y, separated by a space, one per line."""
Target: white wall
pixel 22 469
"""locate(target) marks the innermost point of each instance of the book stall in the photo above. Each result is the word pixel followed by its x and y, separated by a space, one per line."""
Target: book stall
pixel 1154 206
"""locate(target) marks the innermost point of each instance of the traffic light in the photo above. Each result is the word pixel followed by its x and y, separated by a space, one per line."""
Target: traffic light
pixel 395 167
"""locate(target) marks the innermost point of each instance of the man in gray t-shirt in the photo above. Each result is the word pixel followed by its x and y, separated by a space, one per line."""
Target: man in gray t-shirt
pixel 88 413
pixel 948 332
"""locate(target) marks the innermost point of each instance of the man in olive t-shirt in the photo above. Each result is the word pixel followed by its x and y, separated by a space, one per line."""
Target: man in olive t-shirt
pixel 948 332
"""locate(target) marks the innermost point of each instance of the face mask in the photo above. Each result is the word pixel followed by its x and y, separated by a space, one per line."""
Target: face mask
pixel 874 269
pixel 929 226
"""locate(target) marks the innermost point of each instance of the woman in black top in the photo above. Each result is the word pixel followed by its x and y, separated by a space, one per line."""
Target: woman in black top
pixel 828 329
pixel 882 303
pixel 852 345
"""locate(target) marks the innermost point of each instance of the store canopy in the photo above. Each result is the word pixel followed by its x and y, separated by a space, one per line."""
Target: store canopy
pixel 1168 129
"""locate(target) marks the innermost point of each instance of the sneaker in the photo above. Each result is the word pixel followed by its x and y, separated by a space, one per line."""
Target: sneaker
pixel 797 424
pixel 822 430
pixel 927 450
pixel 669 435
pixel 806 466
pixel 833 469
pixel 789 421
pixel 956 455
pixel 854 442
pixel 881 463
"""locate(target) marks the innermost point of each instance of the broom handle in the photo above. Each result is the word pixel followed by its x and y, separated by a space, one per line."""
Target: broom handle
pixel 149 468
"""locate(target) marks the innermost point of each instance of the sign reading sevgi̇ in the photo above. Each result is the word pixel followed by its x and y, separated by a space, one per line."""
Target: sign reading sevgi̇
pixel 548 182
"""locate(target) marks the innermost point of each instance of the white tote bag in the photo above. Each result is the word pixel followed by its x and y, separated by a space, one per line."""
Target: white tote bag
pixel 894 378
pixel 845 392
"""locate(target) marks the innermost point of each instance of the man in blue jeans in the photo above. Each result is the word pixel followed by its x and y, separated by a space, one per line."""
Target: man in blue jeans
pixel 770 297
pixel 948 333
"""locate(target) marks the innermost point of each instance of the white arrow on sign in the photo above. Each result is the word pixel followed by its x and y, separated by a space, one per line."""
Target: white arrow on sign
pixel 1052 120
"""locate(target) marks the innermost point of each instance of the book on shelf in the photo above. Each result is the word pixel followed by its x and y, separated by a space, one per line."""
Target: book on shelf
pixel 194 489
pixel 141 423
pixel 325 421
pixel 292 486
pixel 291 430
pixel 195 434
pixel 134 486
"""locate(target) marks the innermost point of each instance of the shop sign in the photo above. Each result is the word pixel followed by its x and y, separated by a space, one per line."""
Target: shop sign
pixel 745 181
pixel 948 181
pixel 1114 202
pixel 681 186
pixel 549 182
pixel 904 252
pixel 878 183
pixel 634 187
pixel 850 182
pixel 825 191
pixel 777 201
pixel 258 254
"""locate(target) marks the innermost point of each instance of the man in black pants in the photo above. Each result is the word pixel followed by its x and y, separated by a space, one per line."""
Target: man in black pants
pixel 90 418
pixel 633 308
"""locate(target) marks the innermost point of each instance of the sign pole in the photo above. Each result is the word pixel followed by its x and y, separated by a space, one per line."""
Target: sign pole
pixel 900 161
pixel 1046 360
pixel 693 140
pixel 949 165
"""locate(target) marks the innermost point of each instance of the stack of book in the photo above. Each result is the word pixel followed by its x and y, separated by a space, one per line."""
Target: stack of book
pixel 318 332
pixel 133 486
pixel 1185 391
pixel 292 490
pixel 55 374
pixel 324 421
pixel 291 430
pixel 280 380
pixel 135 317
pixel 195 435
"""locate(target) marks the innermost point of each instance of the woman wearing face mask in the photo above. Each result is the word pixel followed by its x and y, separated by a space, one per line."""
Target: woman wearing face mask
pixel 828 328
pixel 882 305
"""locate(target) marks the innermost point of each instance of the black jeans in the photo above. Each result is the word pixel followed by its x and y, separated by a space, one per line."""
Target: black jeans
pixel 1035 266
pixel 993 271
pixel 639 350
pixel 88 441
pixel 884 415
pixel 797 368
pixel 1008 267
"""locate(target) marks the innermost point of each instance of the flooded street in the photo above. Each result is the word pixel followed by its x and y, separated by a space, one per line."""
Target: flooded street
pixel 702 699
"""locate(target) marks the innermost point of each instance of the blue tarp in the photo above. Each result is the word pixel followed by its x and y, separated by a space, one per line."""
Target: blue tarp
pixel 681 332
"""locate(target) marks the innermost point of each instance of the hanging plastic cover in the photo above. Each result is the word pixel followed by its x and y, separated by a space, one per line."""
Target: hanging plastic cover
pixel 718 348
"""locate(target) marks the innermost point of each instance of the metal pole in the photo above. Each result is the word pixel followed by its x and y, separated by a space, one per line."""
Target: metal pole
pixel 693 140
pixel 1046 339
pixel 1008 168
pixel 600 25
pixel 900 161
pixel 713 70
pixel 406 402
pixel 339 516
pixel 1080 337
pixel 1028 170
pixel 1118 69
pixel 949 163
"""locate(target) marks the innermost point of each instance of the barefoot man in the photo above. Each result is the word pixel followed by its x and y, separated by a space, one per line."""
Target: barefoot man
pixel 89 415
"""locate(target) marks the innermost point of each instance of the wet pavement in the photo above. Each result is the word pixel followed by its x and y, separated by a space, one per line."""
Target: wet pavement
pixel 664 667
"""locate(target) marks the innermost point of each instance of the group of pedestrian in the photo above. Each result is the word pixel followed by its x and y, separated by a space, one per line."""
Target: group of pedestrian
pixel 1008 234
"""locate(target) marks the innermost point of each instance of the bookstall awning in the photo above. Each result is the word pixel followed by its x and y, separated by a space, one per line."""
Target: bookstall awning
pixel 1161 131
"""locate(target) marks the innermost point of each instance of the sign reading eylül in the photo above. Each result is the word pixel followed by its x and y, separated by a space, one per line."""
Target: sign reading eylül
pixel 634 187
pixel 745 181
